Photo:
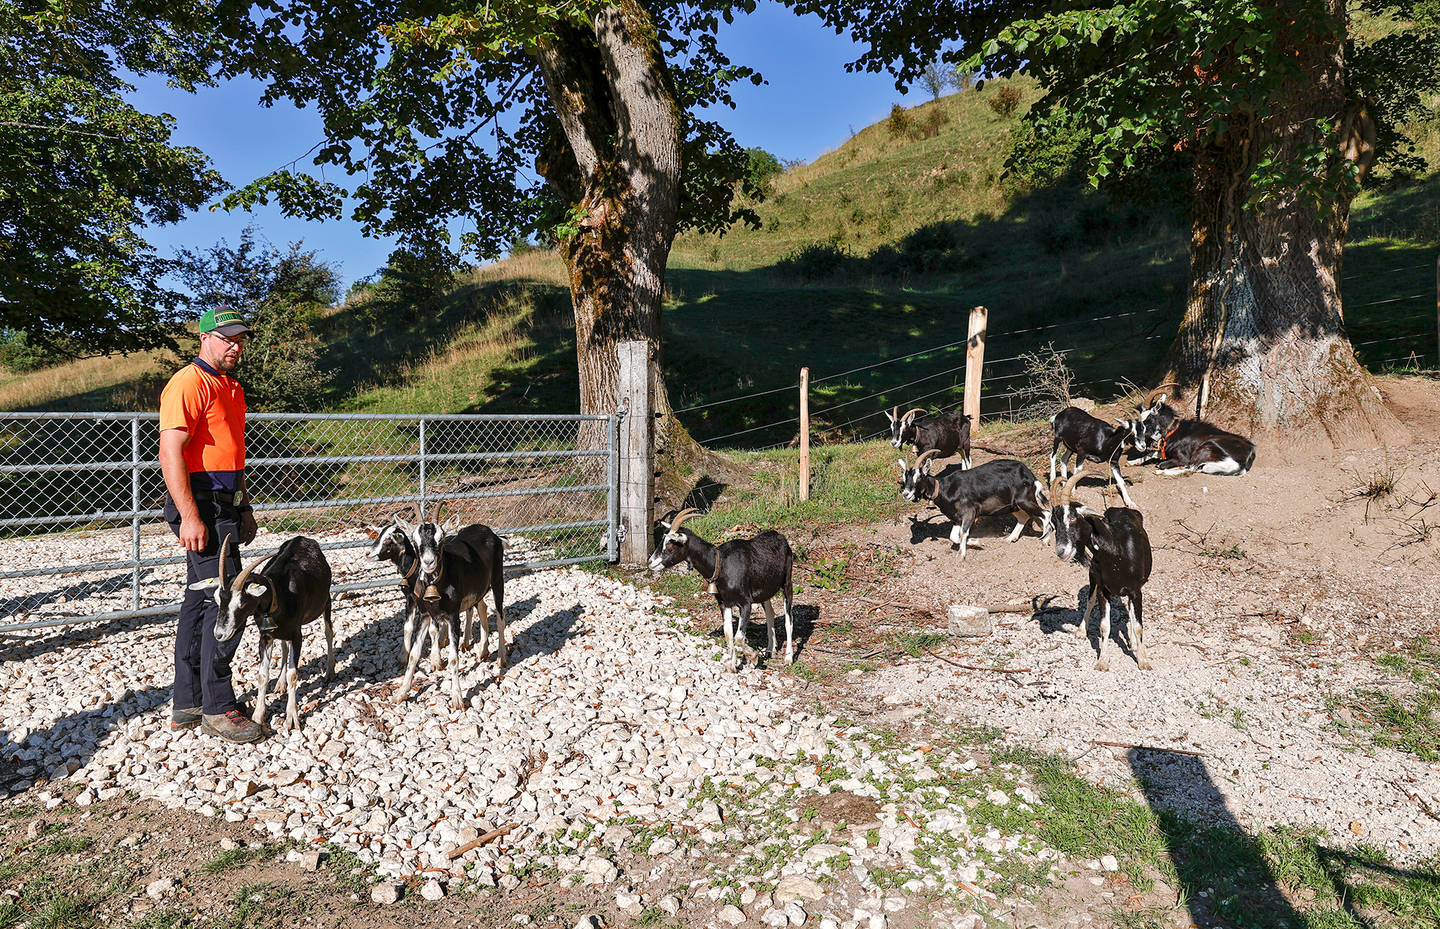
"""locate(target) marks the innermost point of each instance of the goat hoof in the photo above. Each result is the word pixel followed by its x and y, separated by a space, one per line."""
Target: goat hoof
pixel 1145 665
pixel 1102 665
pixel 1080 631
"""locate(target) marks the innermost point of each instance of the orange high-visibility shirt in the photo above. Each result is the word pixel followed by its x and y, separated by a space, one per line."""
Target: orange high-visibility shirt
pixel 211 407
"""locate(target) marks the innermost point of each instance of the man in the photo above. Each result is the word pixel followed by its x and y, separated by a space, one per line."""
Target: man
pixel 202 457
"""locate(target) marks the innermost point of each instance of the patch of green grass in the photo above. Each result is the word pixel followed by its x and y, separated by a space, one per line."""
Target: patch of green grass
pixel 1406 719
pixel 829 573
pixel 236 858
pixel 915 644
pixel 168 918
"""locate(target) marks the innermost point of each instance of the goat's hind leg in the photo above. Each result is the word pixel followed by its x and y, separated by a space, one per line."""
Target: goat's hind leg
pixel 457 699
pixel 329 645
pixel 484 617
pixel 1103 664
pixel 1138 637
pixel 291 652
pixel 769 628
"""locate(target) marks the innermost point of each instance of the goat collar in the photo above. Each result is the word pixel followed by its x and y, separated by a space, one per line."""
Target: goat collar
pixel 1166 438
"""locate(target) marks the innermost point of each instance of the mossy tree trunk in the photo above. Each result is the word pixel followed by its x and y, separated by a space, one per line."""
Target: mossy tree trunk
pixel 619 165
pixel 1262 345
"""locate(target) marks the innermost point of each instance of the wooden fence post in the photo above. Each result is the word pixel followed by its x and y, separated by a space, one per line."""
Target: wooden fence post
pixel 975 363
pixel 637 454
pixel 804 434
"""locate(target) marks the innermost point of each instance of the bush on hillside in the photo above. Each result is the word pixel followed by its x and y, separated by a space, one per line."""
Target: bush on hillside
pixel 1006 100
pixel 19 356
pixel 762 168
pixel 900 123
pixel 814 262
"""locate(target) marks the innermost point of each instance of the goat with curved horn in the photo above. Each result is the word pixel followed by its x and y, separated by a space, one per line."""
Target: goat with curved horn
pixel 740 573
pixel 1000 486
pixel 949 432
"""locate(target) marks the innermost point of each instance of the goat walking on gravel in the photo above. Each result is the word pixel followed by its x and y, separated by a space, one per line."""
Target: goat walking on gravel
pixel 1116 550
pixel 741 573
pixel 281 592
pixel 451 572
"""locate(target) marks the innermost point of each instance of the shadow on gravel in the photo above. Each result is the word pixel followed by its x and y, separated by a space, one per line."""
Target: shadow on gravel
pixel 1055 619
pixel 1225 878
pixel 756 636
pixel 34 758
pixel 81 633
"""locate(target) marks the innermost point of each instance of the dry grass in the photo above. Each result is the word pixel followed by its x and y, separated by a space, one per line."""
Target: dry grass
pixel 122 379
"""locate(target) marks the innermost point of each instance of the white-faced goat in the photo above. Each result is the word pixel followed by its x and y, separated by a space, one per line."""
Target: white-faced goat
pixel 946 433
pixel 1090 439
pixel 391 543
pixel 456 568
pixel 741 573
pixel 1003 485
pixel 1179 445
pixel 1114 547
pixel 292 589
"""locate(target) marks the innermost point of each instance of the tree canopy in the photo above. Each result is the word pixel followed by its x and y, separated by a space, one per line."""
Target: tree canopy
pixel 437 112
pixel 82 170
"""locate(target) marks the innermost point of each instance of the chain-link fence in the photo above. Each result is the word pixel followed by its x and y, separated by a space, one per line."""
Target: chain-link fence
pixel 82 535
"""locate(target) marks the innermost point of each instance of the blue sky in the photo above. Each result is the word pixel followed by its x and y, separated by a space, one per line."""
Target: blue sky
pixel 809 106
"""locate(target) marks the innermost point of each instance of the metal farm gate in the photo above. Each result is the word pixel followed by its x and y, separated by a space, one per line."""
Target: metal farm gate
pixel 82 537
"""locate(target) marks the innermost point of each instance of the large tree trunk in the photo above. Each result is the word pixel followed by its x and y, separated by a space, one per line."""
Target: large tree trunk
pixel 1262 346
pixel 621 166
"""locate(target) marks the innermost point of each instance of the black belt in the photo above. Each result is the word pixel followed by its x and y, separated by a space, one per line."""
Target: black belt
pixel 226 497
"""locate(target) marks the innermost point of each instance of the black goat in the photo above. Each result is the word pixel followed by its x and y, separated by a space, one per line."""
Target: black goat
pixel 391 544
pixel 1180 445
pixel 1003 485
pixel 291 590
pixel 946 433
pixel 455 569
pixel 1092 439
pixel 741 572
pixel 1116 550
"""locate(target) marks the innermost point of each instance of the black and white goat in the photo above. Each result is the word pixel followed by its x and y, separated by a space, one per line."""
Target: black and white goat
pixel 946 433
pixel 281 592
pixel 1115 548
pixel 454 570
pixel 1003 485
pixel 391 543
pixel 1178 445
pixel 1091 439
pixel 741 573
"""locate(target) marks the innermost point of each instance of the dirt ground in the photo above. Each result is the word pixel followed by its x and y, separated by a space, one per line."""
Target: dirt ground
pixel 1271 596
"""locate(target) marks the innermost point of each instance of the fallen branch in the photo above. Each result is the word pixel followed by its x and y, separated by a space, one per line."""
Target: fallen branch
pixel 1148 748
pixel 971 667
pixel 490 836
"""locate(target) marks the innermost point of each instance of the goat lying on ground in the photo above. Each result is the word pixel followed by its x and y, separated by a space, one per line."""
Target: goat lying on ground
pixel 454 570
pixel 1181 445
pixel 1091 439
pixel 946 433
pixel 1116 550
pixel 292 590
pixel 741 572
pixel 1003 485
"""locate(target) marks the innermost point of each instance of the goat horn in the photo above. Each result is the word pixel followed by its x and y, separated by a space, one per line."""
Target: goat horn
pixel 918 409
pixel 681 516
pixel 1067 490
pixel 1159 392
pixel 239 584
pixel 920 462
pixel 893 415
pixel 224 557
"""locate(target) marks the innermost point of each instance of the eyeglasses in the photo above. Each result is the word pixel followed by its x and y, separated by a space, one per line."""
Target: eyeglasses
pixel 239 342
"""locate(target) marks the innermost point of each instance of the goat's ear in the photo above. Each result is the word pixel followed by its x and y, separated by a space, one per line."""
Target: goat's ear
pixel 210 584
pixel 255 590
pixel 1159 402
pixel 676 537
pixel 901 463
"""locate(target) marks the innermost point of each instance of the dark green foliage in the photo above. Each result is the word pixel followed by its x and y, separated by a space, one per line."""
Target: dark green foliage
pixel 900 122
pixel 18 354
pixel 814 262
pixel 763 166
pixel 82 171
pixel 280 294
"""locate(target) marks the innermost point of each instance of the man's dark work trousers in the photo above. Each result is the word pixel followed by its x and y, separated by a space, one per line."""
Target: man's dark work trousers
pixel 202 665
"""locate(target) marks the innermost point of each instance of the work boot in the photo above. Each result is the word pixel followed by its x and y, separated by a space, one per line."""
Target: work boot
pixel 233 726
pixel 185 717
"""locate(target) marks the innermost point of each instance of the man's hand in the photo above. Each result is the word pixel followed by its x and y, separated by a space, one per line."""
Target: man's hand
pixel 247 527
pixel 193 534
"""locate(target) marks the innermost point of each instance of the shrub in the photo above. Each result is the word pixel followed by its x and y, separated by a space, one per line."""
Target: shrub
pixel 928 126
pixel 1006 101
pixel 814 262
pixel 761 168
pixel 900 123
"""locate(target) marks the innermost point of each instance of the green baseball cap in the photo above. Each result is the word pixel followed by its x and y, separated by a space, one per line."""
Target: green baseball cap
pixel 223 320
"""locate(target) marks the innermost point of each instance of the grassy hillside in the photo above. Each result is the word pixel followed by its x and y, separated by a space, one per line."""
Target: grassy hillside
pixel 874 252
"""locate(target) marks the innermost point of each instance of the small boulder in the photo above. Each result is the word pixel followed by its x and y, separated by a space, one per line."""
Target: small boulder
pixel 969 621
pixel 385 893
